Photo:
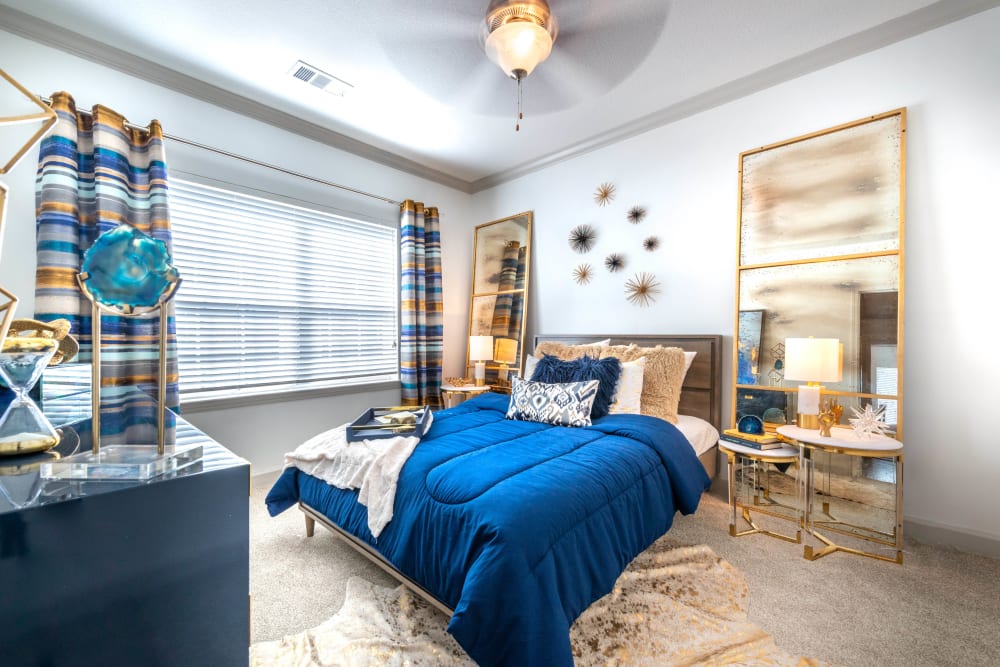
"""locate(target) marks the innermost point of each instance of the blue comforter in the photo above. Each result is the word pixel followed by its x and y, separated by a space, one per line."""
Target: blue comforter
pixel 520 526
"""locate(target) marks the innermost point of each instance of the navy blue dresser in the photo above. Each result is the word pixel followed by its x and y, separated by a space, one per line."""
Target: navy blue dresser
pixel 124 572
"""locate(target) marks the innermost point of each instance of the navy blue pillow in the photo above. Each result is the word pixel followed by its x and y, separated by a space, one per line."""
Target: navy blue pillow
pixel 551 369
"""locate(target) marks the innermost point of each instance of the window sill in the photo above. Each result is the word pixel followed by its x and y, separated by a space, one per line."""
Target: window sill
pixel 194 406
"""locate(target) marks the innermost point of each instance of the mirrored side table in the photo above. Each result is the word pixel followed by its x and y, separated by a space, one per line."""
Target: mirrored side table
pixel 759 481
pixel 452 395
pixel 853 487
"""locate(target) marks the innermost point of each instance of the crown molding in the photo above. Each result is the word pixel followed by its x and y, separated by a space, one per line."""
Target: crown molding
pixel 932 16
pixel 46 33
pixel 927 18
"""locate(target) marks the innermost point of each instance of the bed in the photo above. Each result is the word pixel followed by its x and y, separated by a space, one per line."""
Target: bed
pixel 514 527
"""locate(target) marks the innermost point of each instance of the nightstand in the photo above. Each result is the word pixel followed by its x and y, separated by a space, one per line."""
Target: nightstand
pixel 757 483
pixel 452 395
pixel 853 487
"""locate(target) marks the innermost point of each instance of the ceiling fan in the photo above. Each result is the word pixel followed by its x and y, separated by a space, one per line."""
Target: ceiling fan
pixel 458 45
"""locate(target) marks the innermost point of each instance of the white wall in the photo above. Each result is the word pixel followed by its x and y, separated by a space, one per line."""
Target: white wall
pixel 686 174
pixel 260 433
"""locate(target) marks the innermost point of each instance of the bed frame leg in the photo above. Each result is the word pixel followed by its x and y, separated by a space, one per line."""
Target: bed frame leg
pixel 310 525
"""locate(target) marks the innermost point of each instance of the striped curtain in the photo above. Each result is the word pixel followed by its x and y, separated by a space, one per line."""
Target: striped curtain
pixel 94 173
pixel 422 331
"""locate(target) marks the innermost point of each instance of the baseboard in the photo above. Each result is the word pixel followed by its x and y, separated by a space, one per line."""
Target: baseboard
pixel 930 532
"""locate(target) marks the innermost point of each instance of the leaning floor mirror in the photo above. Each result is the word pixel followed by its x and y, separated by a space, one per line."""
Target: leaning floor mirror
pixel 821 255
pixel 499 300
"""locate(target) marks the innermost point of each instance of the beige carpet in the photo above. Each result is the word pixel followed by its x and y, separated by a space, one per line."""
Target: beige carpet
pixel 674 605
pixel 939 608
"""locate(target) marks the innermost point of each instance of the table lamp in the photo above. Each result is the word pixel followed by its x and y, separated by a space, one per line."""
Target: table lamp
pixel 504 351
pixel 812 360
pixel 480 351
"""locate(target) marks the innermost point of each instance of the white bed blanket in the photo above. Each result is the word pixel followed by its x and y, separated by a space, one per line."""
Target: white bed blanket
pixel 371 466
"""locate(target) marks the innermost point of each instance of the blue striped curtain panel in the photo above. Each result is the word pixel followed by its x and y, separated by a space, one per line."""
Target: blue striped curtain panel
pixel 421 308
pixel 94 173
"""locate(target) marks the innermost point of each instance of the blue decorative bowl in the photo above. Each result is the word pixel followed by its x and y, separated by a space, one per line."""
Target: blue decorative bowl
pixel 750 424
pixel 127 269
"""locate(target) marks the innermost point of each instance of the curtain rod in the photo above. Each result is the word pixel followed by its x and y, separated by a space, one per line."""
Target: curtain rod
pixel 236 156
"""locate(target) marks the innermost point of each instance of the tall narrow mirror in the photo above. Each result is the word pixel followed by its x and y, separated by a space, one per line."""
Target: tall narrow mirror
pixel 499 300
pixel 821 229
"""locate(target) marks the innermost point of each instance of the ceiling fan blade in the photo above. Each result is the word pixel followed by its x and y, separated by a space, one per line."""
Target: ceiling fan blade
pixel 599 44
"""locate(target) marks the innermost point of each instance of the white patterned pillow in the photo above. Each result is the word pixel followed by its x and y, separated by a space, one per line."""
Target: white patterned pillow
pixel 628 391
pixel 563 404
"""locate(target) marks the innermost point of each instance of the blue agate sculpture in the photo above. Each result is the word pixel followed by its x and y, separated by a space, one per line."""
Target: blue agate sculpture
pixel 128 269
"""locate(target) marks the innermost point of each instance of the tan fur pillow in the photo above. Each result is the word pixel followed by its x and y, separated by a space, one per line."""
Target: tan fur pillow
pixel 567 352
pixel 661 380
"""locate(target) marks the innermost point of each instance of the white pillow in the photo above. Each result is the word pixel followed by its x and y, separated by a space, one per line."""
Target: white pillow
pixel 628 391
pixel 530 362
pixel 688 360
pixel 698 432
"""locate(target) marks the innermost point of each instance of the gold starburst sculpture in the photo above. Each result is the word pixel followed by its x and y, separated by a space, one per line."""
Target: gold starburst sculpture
pixel 604 194
pixel 582 274
pixel 636 214
pixel 641 288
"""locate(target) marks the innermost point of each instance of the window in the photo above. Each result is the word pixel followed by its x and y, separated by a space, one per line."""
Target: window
pixel 278 298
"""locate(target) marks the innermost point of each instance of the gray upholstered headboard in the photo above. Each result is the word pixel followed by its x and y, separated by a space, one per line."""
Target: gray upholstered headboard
pixel 701 393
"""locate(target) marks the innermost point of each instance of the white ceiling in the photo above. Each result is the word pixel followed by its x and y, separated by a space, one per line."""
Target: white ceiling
pixel 426 98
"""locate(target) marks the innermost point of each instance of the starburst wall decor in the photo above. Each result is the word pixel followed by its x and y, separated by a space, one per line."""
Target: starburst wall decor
pixel 582 238
pixel 651 243
pixel 636 214
pixel 604 194
pixel 582 274
pixel 614 262
pixel 641 289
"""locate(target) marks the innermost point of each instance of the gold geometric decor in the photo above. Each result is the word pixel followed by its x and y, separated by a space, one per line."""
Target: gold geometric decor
pixel 24 120
pixel 8 304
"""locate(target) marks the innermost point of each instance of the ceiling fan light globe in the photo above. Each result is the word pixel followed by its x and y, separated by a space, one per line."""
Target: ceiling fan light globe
pixel 518 45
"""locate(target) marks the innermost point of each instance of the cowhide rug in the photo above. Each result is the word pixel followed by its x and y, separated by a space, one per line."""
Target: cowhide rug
pixel 673 605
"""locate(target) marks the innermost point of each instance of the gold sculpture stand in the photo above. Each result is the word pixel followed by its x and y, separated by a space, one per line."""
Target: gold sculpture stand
pixel 762 501
pixel 845 442
pixel 97 309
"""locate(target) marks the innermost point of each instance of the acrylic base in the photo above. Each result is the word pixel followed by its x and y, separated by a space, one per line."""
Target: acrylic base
pixel 123 462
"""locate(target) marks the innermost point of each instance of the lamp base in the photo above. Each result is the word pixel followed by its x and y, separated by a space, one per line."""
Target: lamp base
pixel 808 421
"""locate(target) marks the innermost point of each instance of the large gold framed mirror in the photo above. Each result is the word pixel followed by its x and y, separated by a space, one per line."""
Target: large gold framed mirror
pixel 499 302
pixel 821 256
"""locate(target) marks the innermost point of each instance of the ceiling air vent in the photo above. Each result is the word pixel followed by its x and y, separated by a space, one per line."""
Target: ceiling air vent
pixel 315 77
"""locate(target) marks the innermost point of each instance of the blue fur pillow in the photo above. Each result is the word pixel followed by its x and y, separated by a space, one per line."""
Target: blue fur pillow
pixel 552 369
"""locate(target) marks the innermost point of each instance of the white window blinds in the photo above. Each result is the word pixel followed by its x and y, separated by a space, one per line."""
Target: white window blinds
pixel 277 297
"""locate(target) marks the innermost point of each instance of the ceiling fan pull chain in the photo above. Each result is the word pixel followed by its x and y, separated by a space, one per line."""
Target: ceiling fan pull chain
pixel 520 116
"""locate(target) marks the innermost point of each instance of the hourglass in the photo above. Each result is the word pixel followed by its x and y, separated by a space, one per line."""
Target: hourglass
pixel 23 427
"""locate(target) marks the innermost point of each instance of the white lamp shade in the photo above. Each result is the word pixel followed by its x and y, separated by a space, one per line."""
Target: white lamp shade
pixel 480 348
pixel 814 359
pixel 519 45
